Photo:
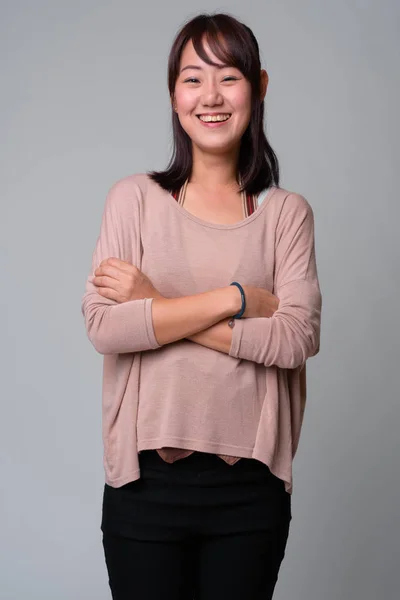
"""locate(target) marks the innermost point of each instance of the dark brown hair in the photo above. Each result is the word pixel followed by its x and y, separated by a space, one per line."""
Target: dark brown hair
pixel 257 165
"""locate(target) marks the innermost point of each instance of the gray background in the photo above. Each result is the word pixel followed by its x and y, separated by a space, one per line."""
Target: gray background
pixel 84 102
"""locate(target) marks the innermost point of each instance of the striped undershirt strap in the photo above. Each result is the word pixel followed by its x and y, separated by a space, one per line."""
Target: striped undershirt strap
pixel 251 204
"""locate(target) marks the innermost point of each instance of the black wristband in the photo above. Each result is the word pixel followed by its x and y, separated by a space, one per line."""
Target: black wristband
pixel 241 312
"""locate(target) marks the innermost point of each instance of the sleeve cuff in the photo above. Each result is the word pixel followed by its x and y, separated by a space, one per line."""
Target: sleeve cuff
pixel 237 333
pixel 149 324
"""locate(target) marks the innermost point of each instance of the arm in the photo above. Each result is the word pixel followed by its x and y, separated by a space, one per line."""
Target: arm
pixel 177 318
pixel 292 334
pixel 143 323
pixel 219 336
pixel 171 327
pixel 113 327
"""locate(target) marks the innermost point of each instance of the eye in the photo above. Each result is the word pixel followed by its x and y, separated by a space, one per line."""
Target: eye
pixel 225 79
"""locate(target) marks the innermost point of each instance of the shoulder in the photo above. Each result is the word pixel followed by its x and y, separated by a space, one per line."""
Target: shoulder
pixel 129 186
pixel 292 213
pixel 288 202
pixel 127 193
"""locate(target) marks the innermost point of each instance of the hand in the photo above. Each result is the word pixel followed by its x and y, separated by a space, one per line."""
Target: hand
pixel 259 302
pixel 121 281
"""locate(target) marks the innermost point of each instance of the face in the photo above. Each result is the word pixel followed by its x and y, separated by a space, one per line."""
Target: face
pixel 205 89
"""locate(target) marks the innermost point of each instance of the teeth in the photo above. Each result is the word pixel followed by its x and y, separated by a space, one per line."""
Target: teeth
pixel 212 119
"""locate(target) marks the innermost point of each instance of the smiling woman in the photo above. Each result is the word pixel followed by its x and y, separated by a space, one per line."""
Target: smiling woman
pixel 214 69
pixel 204 300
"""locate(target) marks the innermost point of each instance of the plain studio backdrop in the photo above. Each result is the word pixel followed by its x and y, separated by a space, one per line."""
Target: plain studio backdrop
pixel 84 102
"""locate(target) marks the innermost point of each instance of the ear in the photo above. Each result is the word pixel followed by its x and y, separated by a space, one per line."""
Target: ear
pixel 173 104
pixel 264 83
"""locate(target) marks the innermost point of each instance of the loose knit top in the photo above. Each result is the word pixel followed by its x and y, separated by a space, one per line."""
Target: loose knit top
pixel 250 203
pixel 248 403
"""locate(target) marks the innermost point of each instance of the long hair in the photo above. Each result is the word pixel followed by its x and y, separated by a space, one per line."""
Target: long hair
pixel 258 166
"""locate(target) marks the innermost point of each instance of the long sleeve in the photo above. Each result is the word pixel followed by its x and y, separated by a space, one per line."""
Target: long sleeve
pixel 292 334
pixel 113 327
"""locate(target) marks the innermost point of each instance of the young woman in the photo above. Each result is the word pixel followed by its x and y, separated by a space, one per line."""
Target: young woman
pixel 204 300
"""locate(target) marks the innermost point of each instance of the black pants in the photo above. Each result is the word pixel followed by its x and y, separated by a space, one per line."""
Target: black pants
pixel 195 529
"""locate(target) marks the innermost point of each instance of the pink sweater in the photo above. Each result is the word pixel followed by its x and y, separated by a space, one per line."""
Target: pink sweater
pixel 248 403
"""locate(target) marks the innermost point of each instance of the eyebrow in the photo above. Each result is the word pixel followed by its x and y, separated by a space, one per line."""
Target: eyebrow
pixel 223 66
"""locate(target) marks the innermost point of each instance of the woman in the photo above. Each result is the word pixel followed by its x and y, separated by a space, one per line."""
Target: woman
pixel 204 300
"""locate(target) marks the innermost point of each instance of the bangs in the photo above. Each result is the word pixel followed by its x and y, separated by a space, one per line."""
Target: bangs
pixel 230 50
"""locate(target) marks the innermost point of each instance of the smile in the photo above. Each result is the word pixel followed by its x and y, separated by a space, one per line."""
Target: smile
pixel 214 122
pixel 214 118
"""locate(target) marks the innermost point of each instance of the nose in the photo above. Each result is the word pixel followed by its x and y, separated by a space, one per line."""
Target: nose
pixel 212 96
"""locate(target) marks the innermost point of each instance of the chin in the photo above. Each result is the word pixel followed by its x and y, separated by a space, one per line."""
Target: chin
pixel 216 148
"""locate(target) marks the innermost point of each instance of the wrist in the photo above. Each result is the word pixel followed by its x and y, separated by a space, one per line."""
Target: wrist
pixel 227 301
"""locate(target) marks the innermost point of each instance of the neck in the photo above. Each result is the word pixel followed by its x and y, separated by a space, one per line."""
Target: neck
pixel 214 172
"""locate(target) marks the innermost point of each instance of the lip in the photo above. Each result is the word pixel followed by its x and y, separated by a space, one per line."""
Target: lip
pixel 211 125
pixel 213 114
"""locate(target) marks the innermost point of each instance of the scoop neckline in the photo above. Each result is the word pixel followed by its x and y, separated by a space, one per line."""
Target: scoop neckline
pixel 272 189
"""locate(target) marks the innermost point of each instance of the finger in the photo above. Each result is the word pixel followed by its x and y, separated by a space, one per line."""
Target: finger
pixel 121 264
pixel 114 261
pixel 110 271
pixel 105 281
pixel 113 258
